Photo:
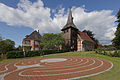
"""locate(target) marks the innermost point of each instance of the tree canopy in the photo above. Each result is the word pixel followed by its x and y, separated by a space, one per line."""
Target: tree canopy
pixel 116 40
pixel 52 41
pixel 6 45
pixel 0 38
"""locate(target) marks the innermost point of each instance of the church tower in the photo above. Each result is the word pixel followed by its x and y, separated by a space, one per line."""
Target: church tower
pixel 70 33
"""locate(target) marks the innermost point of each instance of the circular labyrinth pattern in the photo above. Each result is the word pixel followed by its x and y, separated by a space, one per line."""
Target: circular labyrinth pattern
pixel 53 68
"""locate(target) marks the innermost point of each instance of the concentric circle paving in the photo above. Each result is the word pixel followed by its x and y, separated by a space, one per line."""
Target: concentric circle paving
pixel 53 68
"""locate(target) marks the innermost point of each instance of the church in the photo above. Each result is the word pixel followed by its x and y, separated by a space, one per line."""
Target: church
pixel 75 39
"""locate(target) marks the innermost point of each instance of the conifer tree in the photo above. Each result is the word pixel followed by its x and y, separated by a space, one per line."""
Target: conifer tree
pixel 116 40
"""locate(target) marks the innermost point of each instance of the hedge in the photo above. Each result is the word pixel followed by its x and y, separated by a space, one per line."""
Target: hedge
pixel 15 54
pixel 21 54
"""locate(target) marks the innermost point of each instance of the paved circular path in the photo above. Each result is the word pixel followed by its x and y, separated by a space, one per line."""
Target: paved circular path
pixel 53 68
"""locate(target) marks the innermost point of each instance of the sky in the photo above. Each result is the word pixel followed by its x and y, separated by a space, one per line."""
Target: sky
pixel 19 18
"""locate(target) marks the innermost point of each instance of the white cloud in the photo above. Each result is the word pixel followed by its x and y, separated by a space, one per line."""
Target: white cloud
pixel 36 16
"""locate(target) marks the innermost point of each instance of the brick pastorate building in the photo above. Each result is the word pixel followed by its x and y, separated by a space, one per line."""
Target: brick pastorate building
pixel 32 41
pixel 75 39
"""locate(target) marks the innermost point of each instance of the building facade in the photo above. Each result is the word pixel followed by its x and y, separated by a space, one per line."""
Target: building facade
pixel 75 39
pixel 32 41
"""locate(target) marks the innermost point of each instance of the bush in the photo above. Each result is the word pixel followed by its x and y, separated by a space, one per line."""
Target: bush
pixel 45 52
pixel 33 53
pixel 29 54
pixel 63 50
pixel 20 54
pixel 0 57
pixel 99 51
pixel 104 53
pixel 15 54
pixel 37 53
pixel 116 54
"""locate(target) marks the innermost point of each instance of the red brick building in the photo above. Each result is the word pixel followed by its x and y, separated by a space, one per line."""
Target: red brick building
pixel 75 39
pixel 31 42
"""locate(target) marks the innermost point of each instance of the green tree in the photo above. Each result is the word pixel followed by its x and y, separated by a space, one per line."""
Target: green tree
pixel 91 35
pixel 0 38
pixel 116 40
pixel 19 48
pixel 6 45
pixel 52 41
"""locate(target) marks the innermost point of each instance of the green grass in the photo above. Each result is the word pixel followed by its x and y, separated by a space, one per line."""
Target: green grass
pixel 113 74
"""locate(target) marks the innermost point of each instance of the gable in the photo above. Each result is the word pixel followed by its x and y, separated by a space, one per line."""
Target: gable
pixel 33 36
pixel 85 37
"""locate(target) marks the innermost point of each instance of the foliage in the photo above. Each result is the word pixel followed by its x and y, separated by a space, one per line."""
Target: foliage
pixel 52 41
pixel 27 48
pixel 6 45
pixel 21 54
pixel 19 48
pixel 91 35
pixel 14 54
pixel 29 54
pixel 33 53
pixel 108 52
pixel 116 40
pixel 0 38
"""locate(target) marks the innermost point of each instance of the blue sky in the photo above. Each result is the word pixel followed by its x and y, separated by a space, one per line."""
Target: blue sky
pixel 50 16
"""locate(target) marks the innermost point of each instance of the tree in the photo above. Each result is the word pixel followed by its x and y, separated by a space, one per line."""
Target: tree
pixel 116 40
pixel 19 48
pixel 91 35
pixel 52 41
pixel 0 38
pixel 6 45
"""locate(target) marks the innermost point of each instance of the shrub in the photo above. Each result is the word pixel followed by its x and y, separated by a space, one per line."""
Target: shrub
pixel 33 53
pixel 29 54
pixel 116 54
pixel 104 53
pixel 20 54
pixel 63 50
pixel 15 54
pixel 99 51
pixel 37 53
pixel 45 52
pixel 0 57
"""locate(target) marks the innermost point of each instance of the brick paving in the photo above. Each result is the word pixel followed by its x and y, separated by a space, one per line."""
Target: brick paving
pixel 71 68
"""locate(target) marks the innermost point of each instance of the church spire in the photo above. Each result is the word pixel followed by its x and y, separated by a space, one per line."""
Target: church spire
pixel 70 23
pixel 70 18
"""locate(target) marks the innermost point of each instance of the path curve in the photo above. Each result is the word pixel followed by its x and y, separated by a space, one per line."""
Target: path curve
pixel 53 68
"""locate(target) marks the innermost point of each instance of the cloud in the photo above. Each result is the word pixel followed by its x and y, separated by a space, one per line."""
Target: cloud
pixel 36 16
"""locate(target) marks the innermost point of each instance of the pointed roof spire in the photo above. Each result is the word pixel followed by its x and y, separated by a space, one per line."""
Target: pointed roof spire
pixel 70 18
pixel 69 21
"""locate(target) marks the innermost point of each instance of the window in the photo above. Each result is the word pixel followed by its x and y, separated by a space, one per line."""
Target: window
pixel 36 48
pixel 32 42
pixel 27 42
pixel 36 43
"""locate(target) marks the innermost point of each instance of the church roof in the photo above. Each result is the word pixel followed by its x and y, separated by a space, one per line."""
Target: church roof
pixel 85 37
pixel 69 21
pixel 33 36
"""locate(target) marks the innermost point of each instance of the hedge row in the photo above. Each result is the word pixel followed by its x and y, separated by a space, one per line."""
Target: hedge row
pixel 15 54
pixel 21 54
pixel 108 53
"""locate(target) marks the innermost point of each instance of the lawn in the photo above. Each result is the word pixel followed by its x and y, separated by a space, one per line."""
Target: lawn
pixel 113 74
